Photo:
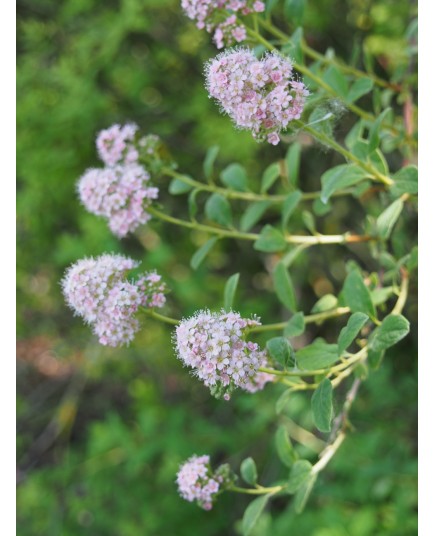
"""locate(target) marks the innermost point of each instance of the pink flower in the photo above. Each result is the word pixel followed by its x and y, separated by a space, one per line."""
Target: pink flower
pixel 116 144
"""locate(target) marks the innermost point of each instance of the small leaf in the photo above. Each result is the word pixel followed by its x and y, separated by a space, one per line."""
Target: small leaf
pixel 322 405
pixel 325 303
pixel 381 295
pixel 270 240
pixel 357 295
pixel 178 187
pixel 300 472
pixel 269 177
pixel 405 181
pixel 192 203
pixel 321 209
pixel 292 160
pixel 374 134
pixel 309 221
pixel 317 355
pixel 218 209
pixel 387 219
pixel 295 326
pixel 294 10
pixel 284 447
pixel 289 205
pixel 252 513
pixel 229 292
pixel 392 330
pixel 284 287
pixel 302 495
pixel 337 81
pixel 280 350
pixel 283 400
pixel 375 358
pixel 253 214
pixel 202 252
pixel 359 88
pixel 248 471
pixel 208 163
pixel 340 177
pixel 235 176
pixel 350 331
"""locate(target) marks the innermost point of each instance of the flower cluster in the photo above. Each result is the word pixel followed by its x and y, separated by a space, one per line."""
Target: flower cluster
pixel 258 95
pixel 219 17
pixel 98 290
pixel 214 345
pixel 197 482
pixel 120 193
pixel 116 144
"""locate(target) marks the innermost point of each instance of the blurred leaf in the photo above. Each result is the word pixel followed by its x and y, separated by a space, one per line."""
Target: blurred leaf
pixel 325 303
pixel 280 350
pixel 289 205
pixel 339 178
pixel 387 219
pixel 234 176
pixel 321 209
pixel 337 81
pixel 295 325
pixel 361 87
pixel 284 287
pixel 230 289
pixel 284 447
pixel 375 358
pixel 317 355
pixel 405 181
pixel 309 221
pixel 322 405
pixel 357 295
pixel 374 133
pixel 208 163
pixel 178 187
pixel 218 209
pixel 292 160
pixel 192 203
pixel 248 471
pixel 303 494
pixel 271 174
pixel 202 252
pixel 300 473
pixel 252 513
pixel 393 328
pixel 270 240
pixel 253 214
pixel 350 331
pixel 294 10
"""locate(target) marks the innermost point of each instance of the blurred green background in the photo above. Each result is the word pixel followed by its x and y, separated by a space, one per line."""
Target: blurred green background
pixel 101 432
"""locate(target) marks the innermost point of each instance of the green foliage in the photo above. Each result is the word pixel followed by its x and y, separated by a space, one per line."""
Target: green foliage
pixel 357 295
pixel 284 287
pixel 202 252
pixel 285 450
pixel 218 209
pixel 270 240
pixel 350 331
pixel 229 292
pixel 235 177
pixel 248 471
pixel 391 331
pixel 300 473
pixel 252 513
pixel 340 177
pixel 317 355
pixel 280 350
pixel 322 405
pixel 295 325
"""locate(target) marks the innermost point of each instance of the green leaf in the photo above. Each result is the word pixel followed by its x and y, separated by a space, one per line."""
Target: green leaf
pixel 202 252
pixel 178 187
pixel 392 330
pixel 322 405
pixel 374 134
pixel 302 495
pixel 387 219
pixel 235 176
pixel 289 205
pixel 359 88
pixel 355 134
pixel 300 472
pixel 340 177
pixel 309 221
pixel 325 303
pixel 208 163
pixel 350 331
pixel 284 287
pixel 405 181
pixel 337 81
pixel 317 355
pixel 294 10
pixel 375 358
pixel 295 326
pixel 321 209
pixel 280 350
pixel 218 209
pixel 357 295
pixel 284 447
pixel 253 214
pixel 292 161
pixel 252 513
pixel 270 240
pixel 192 203
pixel 271 174
pixel 229 292
pixel 381 295
pixel 248 471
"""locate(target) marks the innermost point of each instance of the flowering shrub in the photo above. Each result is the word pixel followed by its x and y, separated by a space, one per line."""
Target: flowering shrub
pixel 263 95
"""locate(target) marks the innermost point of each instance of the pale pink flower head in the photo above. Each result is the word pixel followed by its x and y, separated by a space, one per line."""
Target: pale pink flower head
pixel 98 290
pixel 121 194
pixel 116 144
pixel 214 345
pixel 258 95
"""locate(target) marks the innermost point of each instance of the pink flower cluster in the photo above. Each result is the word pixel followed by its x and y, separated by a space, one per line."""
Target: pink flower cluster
pixel 98 291
pixel 196 482
pixel 214 345
pixel 219 16
pixel 120 193
pixel 116 144
pixel 258 95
